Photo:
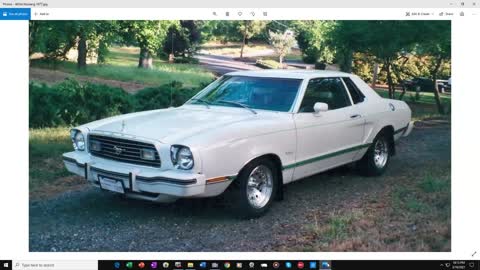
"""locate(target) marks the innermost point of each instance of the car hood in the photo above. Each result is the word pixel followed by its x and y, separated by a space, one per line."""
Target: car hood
pixel 171 125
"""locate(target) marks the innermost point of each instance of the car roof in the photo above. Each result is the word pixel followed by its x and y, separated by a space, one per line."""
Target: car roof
pixel 290 73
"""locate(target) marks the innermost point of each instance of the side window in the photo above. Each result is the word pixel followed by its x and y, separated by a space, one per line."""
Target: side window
pixel 326 90
pixel 355 93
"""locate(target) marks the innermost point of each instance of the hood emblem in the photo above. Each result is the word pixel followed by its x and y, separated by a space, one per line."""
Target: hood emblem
pixel 117 150
pixel 123 126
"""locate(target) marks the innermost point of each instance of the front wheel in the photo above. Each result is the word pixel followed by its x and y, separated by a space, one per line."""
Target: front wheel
pixel 255 188
pixel 376 159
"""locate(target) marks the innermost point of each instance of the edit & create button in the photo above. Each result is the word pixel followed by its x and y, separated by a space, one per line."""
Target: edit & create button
pixel 15 14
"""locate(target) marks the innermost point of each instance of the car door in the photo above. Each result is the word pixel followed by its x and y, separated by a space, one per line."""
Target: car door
pixel 330 138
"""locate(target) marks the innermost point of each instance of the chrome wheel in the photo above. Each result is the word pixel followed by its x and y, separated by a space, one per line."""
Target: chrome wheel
pixel 260 186
pixel 380 153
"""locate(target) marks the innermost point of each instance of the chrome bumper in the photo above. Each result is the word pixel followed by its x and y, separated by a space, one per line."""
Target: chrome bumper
pixel 139 181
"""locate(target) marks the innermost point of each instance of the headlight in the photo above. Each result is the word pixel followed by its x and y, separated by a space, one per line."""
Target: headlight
pixel 181 157
pixel 78 139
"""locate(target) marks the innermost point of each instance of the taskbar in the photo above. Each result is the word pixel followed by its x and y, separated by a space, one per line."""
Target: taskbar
pixel 288 265
pixel 240 265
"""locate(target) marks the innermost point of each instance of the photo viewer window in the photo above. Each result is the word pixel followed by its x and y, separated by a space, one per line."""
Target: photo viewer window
pixel 142 135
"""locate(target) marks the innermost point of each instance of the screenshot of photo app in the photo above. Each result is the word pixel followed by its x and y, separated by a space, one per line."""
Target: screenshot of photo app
pixel 258 136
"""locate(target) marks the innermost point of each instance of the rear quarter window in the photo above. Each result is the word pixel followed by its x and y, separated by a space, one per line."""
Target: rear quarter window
pixel 355 93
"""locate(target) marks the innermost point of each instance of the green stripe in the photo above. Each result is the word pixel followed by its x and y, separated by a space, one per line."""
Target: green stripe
pixel 301 163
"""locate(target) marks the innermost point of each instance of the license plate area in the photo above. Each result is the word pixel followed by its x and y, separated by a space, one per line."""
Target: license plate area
pixel 111 184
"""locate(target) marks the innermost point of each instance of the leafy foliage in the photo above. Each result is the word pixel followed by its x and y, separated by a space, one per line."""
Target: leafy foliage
pixel 71 103
pixel 313 39
pixel 164 96
pixel 282 42
pixel 182 39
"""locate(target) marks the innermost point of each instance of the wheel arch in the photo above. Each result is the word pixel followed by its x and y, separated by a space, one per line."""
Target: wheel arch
pixel 389 131
pixel 278 162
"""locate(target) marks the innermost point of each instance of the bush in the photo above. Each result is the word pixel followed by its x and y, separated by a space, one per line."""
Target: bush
pixel 43 106
pixel 320 66
pixel 164 96
pixel 71 103
pixel 268 64
pixel 186 60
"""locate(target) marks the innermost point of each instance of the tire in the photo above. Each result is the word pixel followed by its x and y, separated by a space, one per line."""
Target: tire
pixel 376 159
pixel 266 173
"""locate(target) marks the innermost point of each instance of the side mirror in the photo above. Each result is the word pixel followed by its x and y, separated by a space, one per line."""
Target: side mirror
pixel 320 107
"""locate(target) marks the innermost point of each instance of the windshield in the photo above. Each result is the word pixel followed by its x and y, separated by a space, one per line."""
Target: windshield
pixel 274 94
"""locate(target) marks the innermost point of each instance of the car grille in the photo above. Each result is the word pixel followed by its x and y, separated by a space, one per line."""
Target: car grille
pixel 123 150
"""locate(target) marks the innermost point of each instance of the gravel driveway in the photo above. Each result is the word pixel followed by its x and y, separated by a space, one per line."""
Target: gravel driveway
pixel 90 220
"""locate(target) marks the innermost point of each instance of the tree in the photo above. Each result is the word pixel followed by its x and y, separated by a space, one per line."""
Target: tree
pixel 182 39
pixel 282 42
pixel 52 38
pixel 56 38
pixel 248 29
pixel 148 35
pixel 385 40
pixel 436 43
pixel 223 31
pixel 313 40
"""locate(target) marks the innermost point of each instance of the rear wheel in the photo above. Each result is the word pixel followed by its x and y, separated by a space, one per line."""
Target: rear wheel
pixel 375 160
pixel 255 188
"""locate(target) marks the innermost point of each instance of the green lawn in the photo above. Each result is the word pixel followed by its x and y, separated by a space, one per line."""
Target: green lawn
pixel 46 147
pixel 425 97
pixel 121 64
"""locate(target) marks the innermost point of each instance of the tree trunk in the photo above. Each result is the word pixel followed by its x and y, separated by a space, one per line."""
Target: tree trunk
pixel 375 75
pixel 146 59
pixel 391 88
pixel 435 85
pixel 82 52
pixel 243 44
pixel 346 63
pixel 280 59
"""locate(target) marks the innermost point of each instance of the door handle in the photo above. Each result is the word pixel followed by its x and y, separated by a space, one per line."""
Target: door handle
pixel 355 116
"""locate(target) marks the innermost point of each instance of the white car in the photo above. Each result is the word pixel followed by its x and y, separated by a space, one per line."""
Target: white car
pixel 252 130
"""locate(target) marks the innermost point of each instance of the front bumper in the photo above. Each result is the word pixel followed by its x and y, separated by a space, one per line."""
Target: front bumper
pixel 142 182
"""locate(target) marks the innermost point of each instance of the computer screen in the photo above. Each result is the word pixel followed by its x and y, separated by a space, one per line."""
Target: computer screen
pixel 247 135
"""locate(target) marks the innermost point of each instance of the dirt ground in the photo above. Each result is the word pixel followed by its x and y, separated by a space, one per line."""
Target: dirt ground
pixel 54 76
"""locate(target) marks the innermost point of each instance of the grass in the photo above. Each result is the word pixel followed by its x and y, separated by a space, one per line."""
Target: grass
pixel 424 97
pixel 232 48
pixel 414 215
pixel 121 64
pixel 46 147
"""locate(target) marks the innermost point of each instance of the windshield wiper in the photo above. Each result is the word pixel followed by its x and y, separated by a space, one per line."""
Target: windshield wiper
pixel 238 104
pixel 202 101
